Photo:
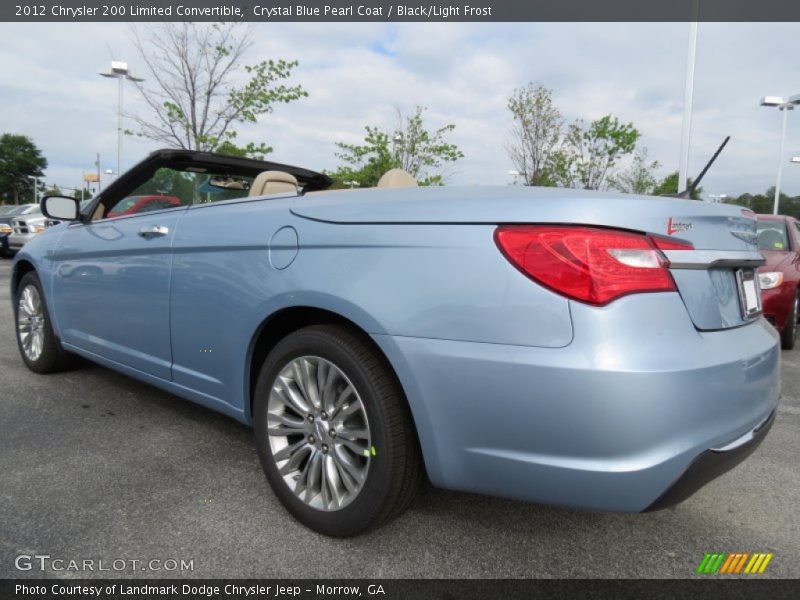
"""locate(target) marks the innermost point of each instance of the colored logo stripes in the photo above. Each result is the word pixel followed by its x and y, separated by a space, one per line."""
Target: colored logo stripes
pixel 739 562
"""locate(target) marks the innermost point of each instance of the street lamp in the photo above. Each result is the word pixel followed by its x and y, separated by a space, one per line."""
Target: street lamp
pixel 120 72
pixel 795 159
pixel 784 106
pixel 35 188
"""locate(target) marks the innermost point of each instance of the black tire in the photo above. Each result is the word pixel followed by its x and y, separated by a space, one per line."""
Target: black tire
pixel 52 358
pixel 789 333
pixel 394 471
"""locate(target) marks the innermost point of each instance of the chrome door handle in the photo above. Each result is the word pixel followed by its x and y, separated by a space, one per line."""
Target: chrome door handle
pixel 154 231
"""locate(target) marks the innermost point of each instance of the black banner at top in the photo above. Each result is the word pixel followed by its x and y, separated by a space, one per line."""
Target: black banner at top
pixel 399 10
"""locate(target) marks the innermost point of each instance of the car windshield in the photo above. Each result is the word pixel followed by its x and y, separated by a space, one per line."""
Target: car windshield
pixel 772 236
pixel 126 204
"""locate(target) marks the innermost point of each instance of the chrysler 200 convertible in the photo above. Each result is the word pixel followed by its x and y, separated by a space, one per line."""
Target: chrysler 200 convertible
pixel 579 348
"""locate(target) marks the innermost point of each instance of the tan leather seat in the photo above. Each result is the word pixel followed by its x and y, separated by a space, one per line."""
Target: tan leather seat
pixel 273 182
pixel 397 178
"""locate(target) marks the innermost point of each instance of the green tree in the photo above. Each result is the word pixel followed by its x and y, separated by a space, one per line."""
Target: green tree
pixel 84 194
pixel 168 182
pixel 639 178
pixel 249 150
pixel 594 150
pixel 764 203
pixel 57 190
pixel 412 147
pixel 20 160
pixel 669 186
pixel 193 92
pixel 536 136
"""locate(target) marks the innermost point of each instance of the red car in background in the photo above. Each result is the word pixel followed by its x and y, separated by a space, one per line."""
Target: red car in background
pixel 139 204
pixel 779 242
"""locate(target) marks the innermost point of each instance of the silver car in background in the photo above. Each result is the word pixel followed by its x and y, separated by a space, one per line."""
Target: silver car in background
pixel 7 218
pixel 26 226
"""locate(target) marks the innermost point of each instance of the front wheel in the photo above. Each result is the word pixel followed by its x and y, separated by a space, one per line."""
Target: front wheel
pixel 789 333
pixel 334 433
pixel 37 342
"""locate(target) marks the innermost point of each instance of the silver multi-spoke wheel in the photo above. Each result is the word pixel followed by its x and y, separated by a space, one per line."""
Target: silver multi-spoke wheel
pixel 333 430
pixel 30 322
pixel 318 433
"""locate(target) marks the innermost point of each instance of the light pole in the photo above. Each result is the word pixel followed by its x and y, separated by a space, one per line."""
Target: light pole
pixel 688 94
pixel 784 106
pixel 35 188
pixel 120 72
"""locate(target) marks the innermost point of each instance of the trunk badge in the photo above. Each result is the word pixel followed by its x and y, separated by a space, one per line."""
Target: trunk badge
pixel 676 226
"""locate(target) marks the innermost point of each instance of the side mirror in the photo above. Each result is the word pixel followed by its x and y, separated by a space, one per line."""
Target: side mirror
pixel 62 208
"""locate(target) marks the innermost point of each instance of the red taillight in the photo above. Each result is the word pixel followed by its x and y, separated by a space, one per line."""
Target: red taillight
pixel 663 242
pixel 589 264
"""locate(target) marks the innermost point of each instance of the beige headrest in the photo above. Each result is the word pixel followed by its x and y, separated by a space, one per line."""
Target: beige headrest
pixel 273 182
pixel 397 178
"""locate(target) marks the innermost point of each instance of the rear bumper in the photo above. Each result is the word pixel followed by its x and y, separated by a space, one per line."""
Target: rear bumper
pixel 710 465
pixel 610 422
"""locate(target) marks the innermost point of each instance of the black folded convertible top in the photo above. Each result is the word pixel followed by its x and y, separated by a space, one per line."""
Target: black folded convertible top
pixel 221 163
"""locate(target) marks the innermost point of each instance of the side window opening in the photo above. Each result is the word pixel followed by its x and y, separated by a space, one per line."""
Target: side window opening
pixel 170 188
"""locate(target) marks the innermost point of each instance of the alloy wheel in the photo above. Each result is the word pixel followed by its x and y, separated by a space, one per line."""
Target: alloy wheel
pixel 319 434
pixel 30 322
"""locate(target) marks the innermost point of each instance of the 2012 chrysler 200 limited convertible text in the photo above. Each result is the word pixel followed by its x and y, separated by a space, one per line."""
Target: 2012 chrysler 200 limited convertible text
pixel 586 349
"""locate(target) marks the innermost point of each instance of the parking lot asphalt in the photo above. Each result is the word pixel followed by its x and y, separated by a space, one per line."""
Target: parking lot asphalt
pixel 95 465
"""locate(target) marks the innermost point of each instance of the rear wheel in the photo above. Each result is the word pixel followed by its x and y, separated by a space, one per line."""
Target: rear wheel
pixel 789 333
pixel 37 342
pixel 334 433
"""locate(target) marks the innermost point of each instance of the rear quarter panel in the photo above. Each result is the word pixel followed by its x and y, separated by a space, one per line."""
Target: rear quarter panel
pixel 431 281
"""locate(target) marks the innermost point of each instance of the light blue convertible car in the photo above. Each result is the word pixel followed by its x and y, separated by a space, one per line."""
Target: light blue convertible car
pixel 560 346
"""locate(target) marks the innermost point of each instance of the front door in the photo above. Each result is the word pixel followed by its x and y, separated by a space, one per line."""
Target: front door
pixel 111 288
pixel 111 274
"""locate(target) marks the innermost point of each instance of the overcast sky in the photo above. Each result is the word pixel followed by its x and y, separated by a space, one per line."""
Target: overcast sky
pixel 357 74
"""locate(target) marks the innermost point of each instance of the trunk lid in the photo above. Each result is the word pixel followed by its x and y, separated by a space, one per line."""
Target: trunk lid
pixel 724 236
